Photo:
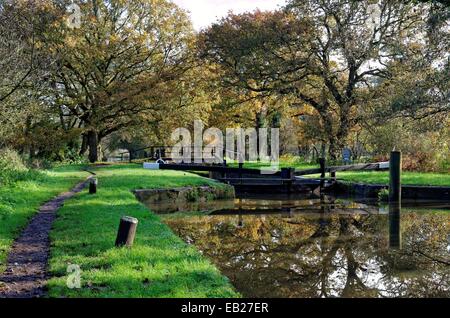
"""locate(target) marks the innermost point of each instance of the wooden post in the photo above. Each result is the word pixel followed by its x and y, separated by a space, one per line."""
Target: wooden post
pixel 284 173
pixel 241 165
pixel 322 173
pixel 93 186
pixel 333 176
pixel 395 238
pixel 224 175
pixel 395 172
pixel 288 173
pixel 126 232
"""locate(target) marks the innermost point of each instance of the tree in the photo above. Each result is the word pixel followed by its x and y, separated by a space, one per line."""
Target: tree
pixel 120 65
pixel 23 69
pixel 21 24
pixel 420 87
pixel 15 48
pixel 326 54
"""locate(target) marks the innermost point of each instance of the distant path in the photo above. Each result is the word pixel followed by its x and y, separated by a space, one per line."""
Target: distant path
pixel 27 265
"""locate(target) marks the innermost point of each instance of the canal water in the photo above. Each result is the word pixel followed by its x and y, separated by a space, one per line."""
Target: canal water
pixel 320 247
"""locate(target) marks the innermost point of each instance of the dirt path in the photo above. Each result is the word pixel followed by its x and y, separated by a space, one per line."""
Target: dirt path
pixel 26 271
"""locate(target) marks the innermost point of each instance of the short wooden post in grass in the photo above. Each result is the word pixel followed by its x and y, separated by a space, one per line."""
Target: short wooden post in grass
pixel 395 173
pixel 126 232
pixel 93 186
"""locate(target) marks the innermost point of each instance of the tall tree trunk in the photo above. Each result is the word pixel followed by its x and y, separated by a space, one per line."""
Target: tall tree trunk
pixel 341 136
pixel 323 149
pixel 93 146
pixel 84 144
pixel 327 120
pixel 132 154
pixel 32 152
pixel 27 133
pixel 333 150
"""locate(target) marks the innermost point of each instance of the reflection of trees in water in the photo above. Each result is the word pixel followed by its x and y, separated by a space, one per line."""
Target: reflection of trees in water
pixel 326 255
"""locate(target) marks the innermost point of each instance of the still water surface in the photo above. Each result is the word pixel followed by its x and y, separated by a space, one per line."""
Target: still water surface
pixel 304 247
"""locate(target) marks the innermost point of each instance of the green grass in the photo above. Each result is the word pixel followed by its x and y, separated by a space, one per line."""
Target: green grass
pixel 371 177
pixel 20 200
pixel 408 178
pixel 160 264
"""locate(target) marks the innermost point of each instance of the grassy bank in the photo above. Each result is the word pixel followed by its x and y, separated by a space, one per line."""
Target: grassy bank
pixel 370 177
pixel 408 178
pixel 159 265
pixel 20 200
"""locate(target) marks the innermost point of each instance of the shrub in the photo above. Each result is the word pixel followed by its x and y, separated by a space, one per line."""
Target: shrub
pixel 383 195
pixel 424 149
pixel 11 160
pixel 41 164
pixel 13 169
pixel 292 159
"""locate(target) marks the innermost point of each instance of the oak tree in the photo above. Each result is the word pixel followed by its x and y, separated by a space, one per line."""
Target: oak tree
pixel 119 65
pixel 327 54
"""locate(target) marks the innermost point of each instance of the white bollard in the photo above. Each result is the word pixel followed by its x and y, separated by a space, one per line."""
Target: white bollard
pixel 151 166
pixel 384 165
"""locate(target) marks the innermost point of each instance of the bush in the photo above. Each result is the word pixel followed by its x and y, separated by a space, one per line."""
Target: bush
pixel 11 160
pixel 13 169
pixel 41 164
pixel 293 159
pixel 423 150
pixel 383 195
